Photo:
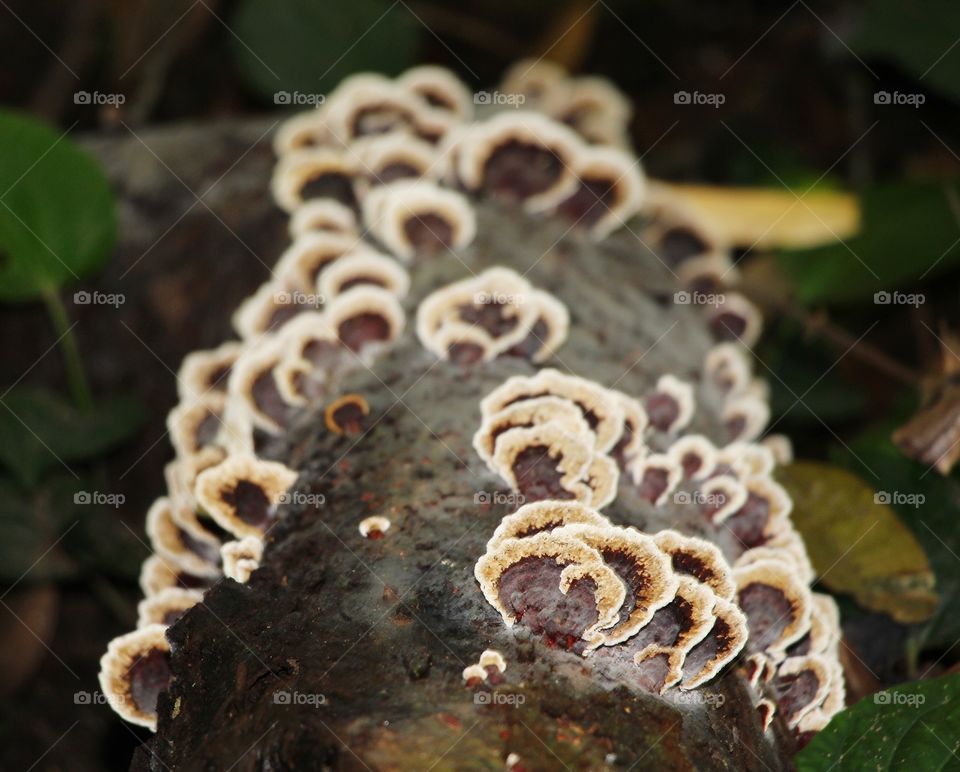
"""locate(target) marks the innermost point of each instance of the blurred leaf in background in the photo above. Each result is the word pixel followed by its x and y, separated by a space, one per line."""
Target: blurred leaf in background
pixel 309 47
pixel 57 216
pixel 856 542
pixel 806 389
pixel 39 431
pixel 933 521
pixel 920 37
pixel 910 232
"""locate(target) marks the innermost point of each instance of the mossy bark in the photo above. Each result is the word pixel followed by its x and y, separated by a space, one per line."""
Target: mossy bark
pixel 346 653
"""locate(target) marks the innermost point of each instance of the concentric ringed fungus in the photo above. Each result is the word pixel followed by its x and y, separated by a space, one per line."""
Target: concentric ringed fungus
pixel 345 414
pixel 520 157
pixel 322 215
pixel 777 606
pixel 197 552
pixel 133 672
pixel 420 218
pixel 602 411
pixel 610 188
pixel 314 173
pixel 576 595
pixel 241 558
pixel 544 462
pixel 648 581
pixel 242 493
pixel 374 527
pixel 540 516
pixel 365 315
pixel 531 412
pixel 167 606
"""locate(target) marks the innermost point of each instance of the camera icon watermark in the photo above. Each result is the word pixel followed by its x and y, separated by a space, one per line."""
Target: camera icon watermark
pixel 303 499
pixel 498 98
pixel 700 498
pixel 299 698
pixel 510 499
pixel 91 698
pixel 899 698
pixel 298 99
pixel 899 98
pixel 698 697
pixel 298 298
pixel 499 698
pixel 97 498
pixel 84 298
pixel 915 500
pixel 499 298
pixel 699 98
pixel 697 298
pixel 884 298
pixel 98 98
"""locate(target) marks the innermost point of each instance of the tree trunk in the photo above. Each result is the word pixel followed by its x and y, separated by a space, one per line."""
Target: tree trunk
pixel 346 653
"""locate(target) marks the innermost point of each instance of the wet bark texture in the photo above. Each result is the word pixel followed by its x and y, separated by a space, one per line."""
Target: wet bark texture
pixel 346 653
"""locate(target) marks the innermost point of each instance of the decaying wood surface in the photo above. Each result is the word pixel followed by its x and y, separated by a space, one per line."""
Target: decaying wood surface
pixel 346 653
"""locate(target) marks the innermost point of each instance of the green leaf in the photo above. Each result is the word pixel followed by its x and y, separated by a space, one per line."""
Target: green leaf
pixel 309 47
pixel 934 522
pixel 57 216
pixel 856 542
pixel 28 542
pixel 920 37
pixel 909 232
pixel 803 368
pixel 915 726
pixel 40 431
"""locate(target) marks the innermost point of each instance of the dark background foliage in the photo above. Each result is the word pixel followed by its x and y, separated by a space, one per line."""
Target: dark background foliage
pixel 800 112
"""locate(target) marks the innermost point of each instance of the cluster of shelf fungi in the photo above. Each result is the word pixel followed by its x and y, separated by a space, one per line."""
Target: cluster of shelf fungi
pixel 386 176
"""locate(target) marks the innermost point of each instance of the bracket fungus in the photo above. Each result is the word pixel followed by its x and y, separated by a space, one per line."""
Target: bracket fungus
pixel 520 157
pixel 374 527
pixel 195 423
pixel 167 606
pixel 323 215
pixel 314 173
pixel 345 414
pixel 417 218
pixel 363 269
pixel 365 315
pixel 242 493
pixel 698 565
pixel 133 672
pixel 205 371
pixel 241 558
pixel 669 626
pixel 609 191
pixel 497 313
pixel 197 552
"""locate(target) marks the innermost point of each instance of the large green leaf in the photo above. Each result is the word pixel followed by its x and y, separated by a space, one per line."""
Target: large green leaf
pixel 915 726
pixel 920 37
pixel 40 431
pixel 308 47
pixel 856 542
pixel 57 215
pixel 909 233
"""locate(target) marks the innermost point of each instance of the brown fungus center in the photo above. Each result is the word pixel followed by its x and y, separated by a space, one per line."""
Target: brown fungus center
pixel 518 170
pixel 149 676
pixel 250 502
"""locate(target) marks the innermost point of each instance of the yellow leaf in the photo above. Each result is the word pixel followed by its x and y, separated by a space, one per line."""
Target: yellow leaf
pixel 768 218
pixel 856 542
